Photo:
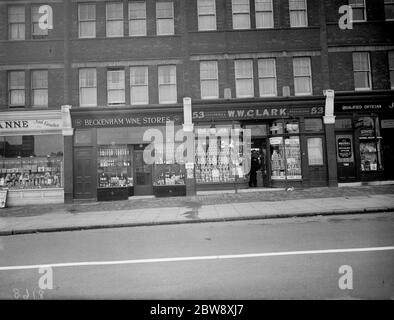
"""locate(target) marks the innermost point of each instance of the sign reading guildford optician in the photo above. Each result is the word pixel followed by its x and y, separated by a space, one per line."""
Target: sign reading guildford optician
pixel 365 107
pixel 98 120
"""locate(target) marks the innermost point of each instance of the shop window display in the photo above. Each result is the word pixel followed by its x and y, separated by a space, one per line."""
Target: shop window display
pixel 370 144
pixel 31 162
pixel 168 172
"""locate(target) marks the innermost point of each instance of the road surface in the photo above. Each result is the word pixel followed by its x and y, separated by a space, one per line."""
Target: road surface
pixel 298 258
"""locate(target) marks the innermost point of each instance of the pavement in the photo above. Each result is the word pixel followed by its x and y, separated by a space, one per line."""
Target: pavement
pixel 214 207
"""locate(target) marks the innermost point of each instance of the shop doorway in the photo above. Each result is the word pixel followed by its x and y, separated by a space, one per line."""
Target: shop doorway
pixel 345 158
pixel 142 173
pixel 84 173
pixel 259 149
pixel 388 153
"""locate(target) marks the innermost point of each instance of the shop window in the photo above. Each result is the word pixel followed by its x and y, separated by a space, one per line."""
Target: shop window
pixel 39 86
pixel 114 19
pixel 16 22
pixel 362 71
pixel 31 162
pixel 16 88
pixel 264 14
pixel 267 77
pixel 36 31
pixel 139 85
pixel 315 151
pixel 206 10
pixel 313 125
pixel 298 13
pixel 389 9
pixel 87 87
pixel 167 84
pixel 370 144
pixel 292 126
pixel 241 14
pixel 343 124
pixel 87 20
pixel 116 87
pixel 302 76
pixel 359 10
pixel 164 18
pixel 137 18
pixel 244 78
pixel 391 67
pixel 209 80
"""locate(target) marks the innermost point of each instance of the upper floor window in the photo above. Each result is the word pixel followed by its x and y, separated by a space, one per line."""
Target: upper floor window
pixel 389 9
pixel 298 13
pixel 209 80
pixel 359 10
pixel 114 14
pixel 244 78
pixel 264 14
pixel 167 84
pixel 139 88
pixel 241 14
pixel 302 76
pixel 16 88
pixel 39 86
pixel 391 67
pixel 206 15
pixel 164 18
pixel 137 18
pixel 267 77
pixel 87 20
pixel 362 71
pixel 116 86
pixel 87 87
pixel 16 22
pixel 36 31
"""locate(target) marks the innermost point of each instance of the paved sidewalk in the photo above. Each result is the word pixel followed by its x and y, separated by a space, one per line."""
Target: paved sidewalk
pixel 65 220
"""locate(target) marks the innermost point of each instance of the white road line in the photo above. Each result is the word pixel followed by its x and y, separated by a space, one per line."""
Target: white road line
pixel 218 257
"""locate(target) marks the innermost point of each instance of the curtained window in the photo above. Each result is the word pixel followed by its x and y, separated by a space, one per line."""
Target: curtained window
pixel 137 18
pixel 39 85
pixel 298 13
pixel 267 77
pixel 16 23
pixel 362 71
pixel 139 85
pixel 87 87
pixel 167 84
pixel 244 78
pixel 302 76
pixel 114 15
pixel 209 80
pixel 206 10
pixel 87 20
pixel 16 88
pixel 264 14
pixel 241 14
pixel 164 18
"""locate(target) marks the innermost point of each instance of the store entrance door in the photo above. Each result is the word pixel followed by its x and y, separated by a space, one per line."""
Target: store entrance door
pixel 259 147
pixel 84 173
pixel 142 173
pixel 345 158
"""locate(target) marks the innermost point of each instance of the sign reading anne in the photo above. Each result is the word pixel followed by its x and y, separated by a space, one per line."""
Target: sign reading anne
pixel 40 124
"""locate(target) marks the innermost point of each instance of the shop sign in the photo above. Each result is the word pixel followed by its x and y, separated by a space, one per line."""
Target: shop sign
pixel 360 107
pixel 276 140
pixel 125 120
pixel 254 113
pixel 387 123
pixel 47 124
pixel 344 148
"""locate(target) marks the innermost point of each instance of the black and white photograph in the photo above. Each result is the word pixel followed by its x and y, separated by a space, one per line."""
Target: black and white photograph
pixel 196 156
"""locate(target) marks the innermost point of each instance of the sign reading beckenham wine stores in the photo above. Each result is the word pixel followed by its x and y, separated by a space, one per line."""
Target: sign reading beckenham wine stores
pixel 37 124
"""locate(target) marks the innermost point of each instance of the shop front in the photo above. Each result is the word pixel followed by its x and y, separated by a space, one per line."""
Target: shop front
pixel 286 142
pixel 31 156
pixel 124 153
pixel 364 129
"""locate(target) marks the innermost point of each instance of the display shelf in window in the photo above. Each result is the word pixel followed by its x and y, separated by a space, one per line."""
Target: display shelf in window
pixel 169 174
pixel 32 172
pixel 115 167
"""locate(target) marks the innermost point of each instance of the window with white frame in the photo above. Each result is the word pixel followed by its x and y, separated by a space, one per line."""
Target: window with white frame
pixel 114 16
pixel 359 10
pixel 16 23
pixel 298 13
pixel 209 82
pixel 88 87
pixel 116 86
pixel 389 9
pixel 264 14
pixel 16 88
pixel 391 67
pixel 137 18
pixel 36 31
pixel 39 87
pixel 267 77
pixel 167 84
pixel 164 18
pixel 206 10
pixel 87 20
pixel 302 76
pixel 244 78
pixel 139 88
pixel 241 14
pixel 362 71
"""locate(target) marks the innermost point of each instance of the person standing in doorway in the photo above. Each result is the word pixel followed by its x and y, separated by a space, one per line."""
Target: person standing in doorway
pixel 254 167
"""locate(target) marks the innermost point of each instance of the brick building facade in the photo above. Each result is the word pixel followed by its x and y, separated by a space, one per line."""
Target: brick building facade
pixel 139 59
